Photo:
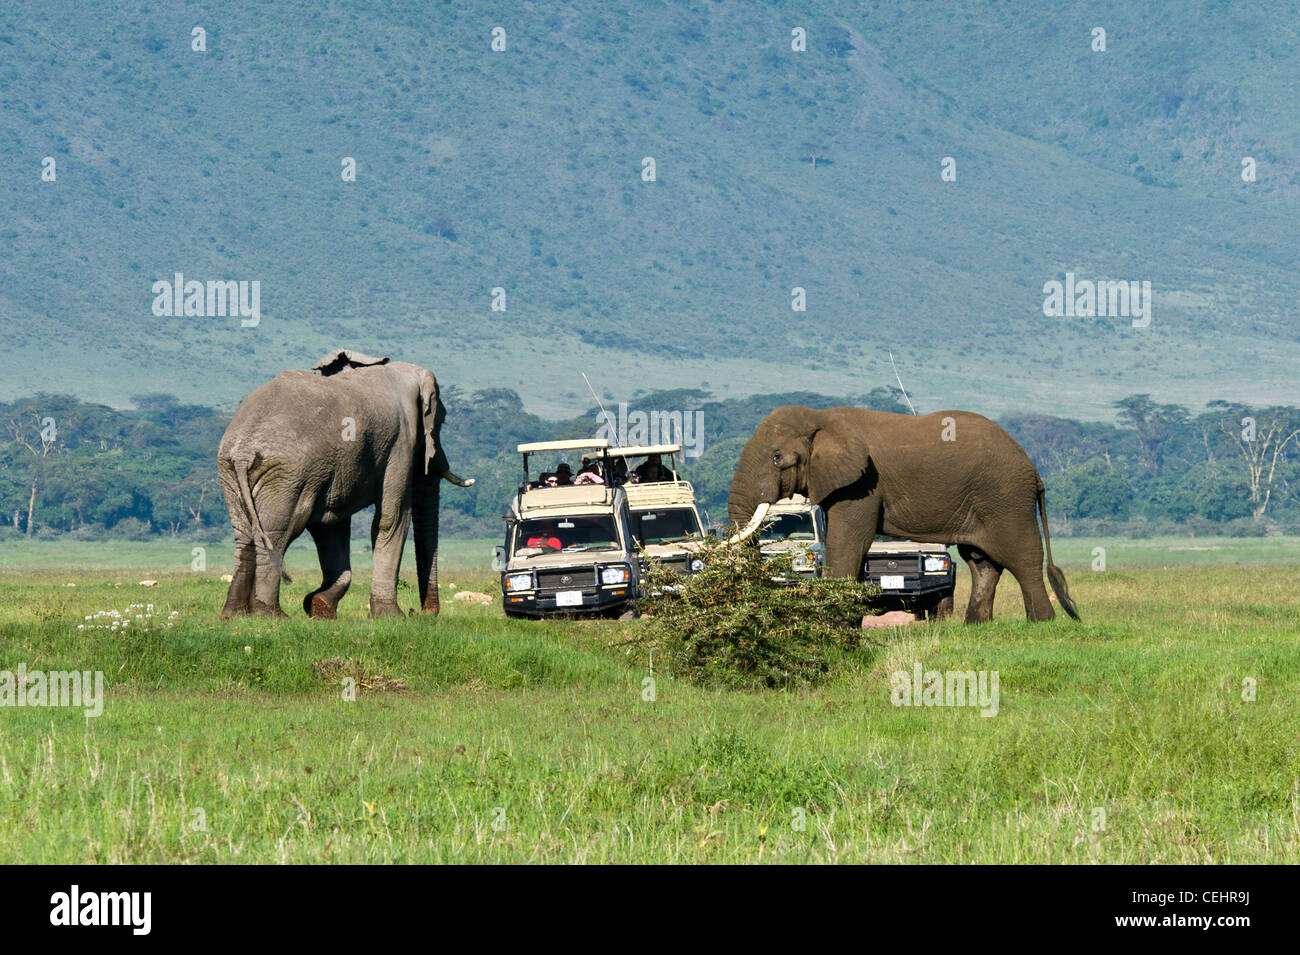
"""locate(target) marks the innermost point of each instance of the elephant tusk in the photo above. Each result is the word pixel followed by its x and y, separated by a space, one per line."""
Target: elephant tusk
pixel 759 513
pixel 459 482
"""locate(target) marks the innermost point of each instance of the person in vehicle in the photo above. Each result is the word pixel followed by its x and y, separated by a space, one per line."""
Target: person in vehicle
pixel 544 537
pixel 652 470
pixel 590 474
pixel 563 474
pixel 618 471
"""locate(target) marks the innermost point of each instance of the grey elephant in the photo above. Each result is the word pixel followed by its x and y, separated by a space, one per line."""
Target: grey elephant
pixel 951 476
pixel 306 451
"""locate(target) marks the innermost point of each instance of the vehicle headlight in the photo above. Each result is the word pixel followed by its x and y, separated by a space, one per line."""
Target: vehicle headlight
pixel 614 575
pixel 697 564
pixel 519 582
pixel 936 563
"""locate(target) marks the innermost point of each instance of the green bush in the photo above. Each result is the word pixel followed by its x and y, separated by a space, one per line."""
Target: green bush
pixel 732 624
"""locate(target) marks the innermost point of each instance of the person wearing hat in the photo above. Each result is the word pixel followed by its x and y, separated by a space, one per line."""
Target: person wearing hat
pixel 563 474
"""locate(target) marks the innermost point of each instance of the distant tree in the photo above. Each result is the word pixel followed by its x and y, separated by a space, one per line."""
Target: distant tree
pixel 1158 427
pixel 39 440
pixel 1262 446
pixel 1093 489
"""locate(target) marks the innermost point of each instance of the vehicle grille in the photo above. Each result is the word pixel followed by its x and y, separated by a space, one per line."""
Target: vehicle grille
pixel 878 566
pixel 678 564
pixel 567 578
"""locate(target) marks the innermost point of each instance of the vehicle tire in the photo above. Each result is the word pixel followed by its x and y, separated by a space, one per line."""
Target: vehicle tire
pixel 511 615
pixel 627 615
pixel 943 608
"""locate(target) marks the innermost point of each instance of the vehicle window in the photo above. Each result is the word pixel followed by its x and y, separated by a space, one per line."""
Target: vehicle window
pixel 567 534
pixel 670 525
pixel 794 527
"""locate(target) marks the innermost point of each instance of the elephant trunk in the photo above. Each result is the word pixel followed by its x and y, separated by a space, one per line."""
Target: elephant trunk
pixel 424 515
pixel 747 492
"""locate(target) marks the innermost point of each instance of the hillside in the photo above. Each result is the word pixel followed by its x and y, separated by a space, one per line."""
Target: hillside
pixel 522 170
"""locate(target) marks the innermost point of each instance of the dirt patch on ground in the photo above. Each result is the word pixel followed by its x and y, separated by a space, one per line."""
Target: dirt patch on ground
pixel 334 670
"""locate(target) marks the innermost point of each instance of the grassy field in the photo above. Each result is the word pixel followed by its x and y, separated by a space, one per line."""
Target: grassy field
pixel 1125 738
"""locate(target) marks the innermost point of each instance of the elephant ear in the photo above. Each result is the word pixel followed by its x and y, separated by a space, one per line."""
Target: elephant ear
pixel 839 457
pixel 431 412
pixel 341 359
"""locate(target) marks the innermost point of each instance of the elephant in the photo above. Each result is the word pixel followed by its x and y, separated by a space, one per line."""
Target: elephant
pixel 952 477
pixel 306 451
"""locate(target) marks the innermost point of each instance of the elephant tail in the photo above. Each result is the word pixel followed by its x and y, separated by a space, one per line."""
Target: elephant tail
pixel 246 496
pixel 1054 575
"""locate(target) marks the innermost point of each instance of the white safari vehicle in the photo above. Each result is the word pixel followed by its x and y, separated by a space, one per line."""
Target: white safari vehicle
pixel 796 526
pixel 569 547
pixel 918 577
pixel 665 521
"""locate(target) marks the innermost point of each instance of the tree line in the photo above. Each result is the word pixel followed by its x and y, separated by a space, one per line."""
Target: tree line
pixel 68 467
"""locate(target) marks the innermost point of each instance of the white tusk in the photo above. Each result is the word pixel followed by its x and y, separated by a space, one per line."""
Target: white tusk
pixel 459 482
pixel 759 513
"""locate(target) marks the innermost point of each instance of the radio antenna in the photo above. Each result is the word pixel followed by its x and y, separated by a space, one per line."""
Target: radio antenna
pixel 896 378
pixel 613 426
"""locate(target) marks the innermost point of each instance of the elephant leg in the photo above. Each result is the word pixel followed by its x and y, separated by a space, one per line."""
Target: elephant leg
pixel 1028 571
pixel 282 527
pixel 984 574
pixel 388 538
pixel 332 543
pixel 241 583
pixel 850 528
pixel 266 579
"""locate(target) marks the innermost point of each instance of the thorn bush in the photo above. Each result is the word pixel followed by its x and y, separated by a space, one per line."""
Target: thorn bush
pixel 732 624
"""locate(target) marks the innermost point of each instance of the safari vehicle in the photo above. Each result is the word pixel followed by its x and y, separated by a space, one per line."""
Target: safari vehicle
pixel 665 520
pixel 796 525
pixel 917 577
pixel 569 548
pixel 913 576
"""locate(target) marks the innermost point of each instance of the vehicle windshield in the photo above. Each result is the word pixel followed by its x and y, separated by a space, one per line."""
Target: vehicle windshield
pixel 793 527
pixel 670 525
pixel 570 535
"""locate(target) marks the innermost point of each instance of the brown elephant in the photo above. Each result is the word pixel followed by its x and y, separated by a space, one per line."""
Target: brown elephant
pixel 951 476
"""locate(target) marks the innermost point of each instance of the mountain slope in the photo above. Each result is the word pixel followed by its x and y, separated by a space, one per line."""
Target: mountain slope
pixel 522 170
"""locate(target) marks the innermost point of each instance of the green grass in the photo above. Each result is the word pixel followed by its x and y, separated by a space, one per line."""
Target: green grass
pixel 1137 712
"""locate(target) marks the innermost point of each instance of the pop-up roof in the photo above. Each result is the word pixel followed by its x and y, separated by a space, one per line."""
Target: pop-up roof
pixel 575 444
pixel 639 451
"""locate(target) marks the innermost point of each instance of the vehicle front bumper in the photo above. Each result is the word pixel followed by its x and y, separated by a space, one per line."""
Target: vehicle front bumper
pixel 542 603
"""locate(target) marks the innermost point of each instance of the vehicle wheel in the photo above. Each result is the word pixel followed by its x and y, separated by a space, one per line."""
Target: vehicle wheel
pixel 627 615
pixel 943 608
pixel 511 615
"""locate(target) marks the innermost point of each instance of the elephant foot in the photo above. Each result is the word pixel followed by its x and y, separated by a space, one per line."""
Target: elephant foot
pixel 431 605
pixel 229 613
pixel 267 610
pixel 318 605
pixel 384 608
